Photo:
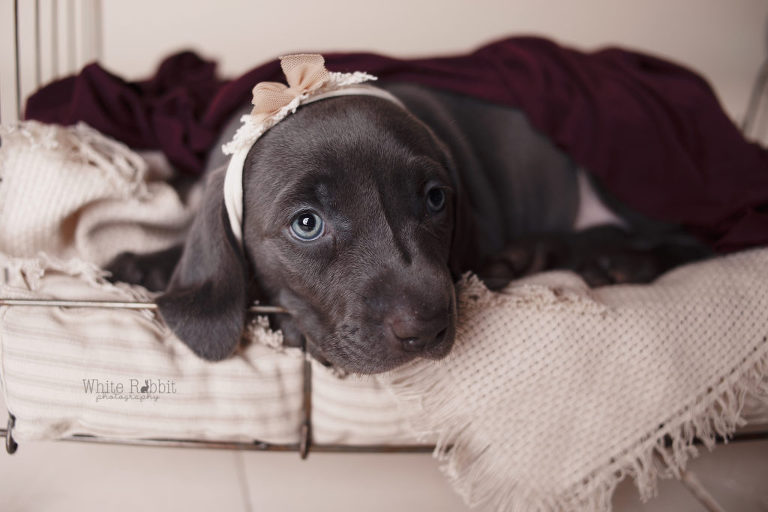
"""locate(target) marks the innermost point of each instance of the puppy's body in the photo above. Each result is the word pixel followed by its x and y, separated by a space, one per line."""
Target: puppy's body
pixel 408 199
pixel 517 182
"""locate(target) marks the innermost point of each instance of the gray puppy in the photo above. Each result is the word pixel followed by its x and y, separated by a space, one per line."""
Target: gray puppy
pixel 359 215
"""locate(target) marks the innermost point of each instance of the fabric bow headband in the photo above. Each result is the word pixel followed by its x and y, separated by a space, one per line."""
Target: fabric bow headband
pixel 308 81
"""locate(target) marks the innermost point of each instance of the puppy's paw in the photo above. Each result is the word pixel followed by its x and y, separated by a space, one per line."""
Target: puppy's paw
pixel 522 258
pixel 293 337
pixel 152 271
pixel 125 268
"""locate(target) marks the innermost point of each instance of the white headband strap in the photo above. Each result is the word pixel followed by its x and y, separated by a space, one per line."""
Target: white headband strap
pixel 343 84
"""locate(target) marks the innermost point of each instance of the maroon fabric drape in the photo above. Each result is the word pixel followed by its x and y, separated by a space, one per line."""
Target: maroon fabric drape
pixel 651 132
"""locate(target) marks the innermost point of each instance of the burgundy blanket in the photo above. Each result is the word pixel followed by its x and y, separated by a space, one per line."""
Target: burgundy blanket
pixel 651 132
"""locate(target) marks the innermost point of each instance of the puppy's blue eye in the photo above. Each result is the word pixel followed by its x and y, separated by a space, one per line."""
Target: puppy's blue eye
pixel 435 199
pixel 307 226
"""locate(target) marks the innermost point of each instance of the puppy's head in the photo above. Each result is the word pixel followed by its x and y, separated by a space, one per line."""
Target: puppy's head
pixel 348 221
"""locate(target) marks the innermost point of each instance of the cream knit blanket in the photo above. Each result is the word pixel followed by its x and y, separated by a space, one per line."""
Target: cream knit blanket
pixel 74 193
pixel 553 393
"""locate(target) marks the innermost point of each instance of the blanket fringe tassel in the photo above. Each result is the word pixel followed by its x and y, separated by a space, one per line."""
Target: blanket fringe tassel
pixel 473 469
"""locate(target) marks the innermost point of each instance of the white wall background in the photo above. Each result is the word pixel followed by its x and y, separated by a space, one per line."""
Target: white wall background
pixel 723 39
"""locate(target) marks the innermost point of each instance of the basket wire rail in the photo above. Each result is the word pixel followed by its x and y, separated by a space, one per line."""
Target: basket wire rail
pixel 73 39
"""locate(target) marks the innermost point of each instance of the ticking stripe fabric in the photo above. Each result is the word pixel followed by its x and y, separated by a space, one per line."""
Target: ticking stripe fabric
pixel 68 371
pixel 122 373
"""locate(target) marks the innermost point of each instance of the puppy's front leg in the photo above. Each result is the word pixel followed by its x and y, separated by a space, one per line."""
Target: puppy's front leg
pixel 601 255
pixel 524 257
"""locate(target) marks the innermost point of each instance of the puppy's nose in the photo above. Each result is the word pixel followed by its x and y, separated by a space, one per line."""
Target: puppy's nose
pixel 415 334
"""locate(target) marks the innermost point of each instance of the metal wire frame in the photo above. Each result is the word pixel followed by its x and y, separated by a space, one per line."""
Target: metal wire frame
pixel 756 97
pixel 305 444
pixel 107 304
pixel 91 47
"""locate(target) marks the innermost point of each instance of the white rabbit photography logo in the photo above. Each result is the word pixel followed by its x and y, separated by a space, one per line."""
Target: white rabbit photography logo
pixel 140 390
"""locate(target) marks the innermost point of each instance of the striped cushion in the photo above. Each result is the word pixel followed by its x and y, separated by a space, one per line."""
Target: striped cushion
pixel 81 371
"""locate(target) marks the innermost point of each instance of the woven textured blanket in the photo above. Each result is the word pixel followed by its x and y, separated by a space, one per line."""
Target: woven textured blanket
pixel 553 393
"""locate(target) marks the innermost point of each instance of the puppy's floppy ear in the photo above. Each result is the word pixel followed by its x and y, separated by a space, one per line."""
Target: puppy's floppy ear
pixel 205 301
pixel 464 254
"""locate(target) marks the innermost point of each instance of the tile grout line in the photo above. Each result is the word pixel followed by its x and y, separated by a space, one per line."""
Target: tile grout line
pixel 241 478
pixel 693 485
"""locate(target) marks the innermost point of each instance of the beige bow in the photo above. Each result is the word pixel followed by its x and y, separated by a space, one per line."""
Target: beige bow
pixel 304 73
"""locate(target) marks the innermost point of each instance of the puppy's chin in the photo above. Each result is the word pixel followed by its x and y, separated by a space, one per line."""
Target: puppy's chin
pixel 371 367
pixel 354 358
pixel 362 367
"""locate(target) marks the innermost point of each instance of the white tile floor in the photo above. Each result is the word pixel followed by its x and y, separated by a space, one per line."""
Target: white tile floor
pixel 63 476
pixel 735 475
